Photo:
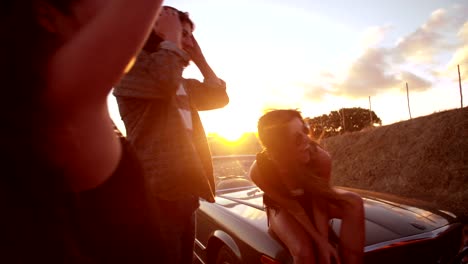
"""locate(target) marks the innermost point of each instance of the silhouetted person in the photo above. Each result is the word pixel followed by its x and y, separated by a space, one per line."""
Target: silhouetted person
pixel 66 194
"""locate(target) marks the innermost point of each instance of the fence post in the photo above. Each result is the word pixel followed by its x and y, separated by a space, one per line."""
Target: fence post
pixel 407 97
pixel 459 83
pixel 343 120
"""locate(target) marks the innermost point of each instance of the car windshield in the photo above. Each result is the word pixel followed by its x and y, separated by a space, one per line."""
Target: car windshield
pixel 232 171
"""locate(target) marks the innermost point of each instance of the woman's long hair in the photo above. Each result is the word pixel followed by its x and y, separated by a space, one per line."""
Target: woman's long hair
pixel 272 130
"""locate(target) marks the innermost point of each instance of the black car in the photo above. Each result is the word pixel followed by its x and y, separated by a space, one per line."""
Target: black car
pixel 234 229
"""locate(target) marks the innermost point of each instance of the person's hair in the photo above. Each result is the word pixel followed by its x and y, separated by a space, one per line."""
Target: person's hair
pixel 183 17
pixel 272 130
pixel 272 127
pixel 152 43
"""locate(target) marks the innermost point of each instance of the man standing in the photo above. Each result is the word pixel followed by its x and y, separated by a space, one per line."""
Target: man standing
pixel 160 112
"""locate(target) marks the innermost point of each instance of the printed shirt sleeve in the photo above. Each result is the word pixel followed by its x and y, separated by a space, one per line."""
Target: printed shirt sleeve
pixel 154 76
pixel 206 96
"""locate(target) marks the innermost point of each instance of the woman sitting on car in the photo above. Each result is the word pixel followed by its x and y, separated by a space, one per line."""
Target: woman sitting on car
pixel 294 173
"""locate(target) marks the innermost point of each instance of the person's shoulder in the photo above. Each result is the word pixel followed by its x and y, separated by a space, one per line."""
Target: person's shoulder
pixel 264 160
pixel 128 171
pixel 254 166
pixel 254 173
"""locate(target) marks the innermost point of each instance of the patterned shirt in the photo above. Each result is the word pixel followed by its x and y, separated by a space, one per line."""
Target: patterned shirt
pixel 183 103
pixel 177 165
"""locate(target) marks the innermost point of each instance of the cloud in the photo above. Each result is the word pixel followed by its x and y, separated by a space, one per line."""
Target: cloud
pixel 438 19
pixel 431 39
pixel 314 92
pixel 374 35
pixel 374 72
pixel 463 33
pixel 458 15
pixel 380 69
pixel 459 57
pixel 368 75
pixel 327 75
pixel 426 41
pixel 415 83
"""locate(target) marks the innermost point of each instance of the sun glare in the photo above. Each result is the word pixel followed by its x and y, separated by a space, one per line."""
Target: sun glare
pixel 232 135
pixel 230 123
pixel 225 128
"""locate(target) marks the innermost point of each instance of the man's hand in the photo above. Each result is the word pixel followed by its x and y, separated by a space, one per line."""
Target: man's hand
pixel 168 26
pixel 196 55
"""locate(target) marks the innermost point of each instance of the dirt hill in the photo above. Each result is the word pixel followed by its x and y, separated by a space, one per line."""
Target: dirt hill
pixel 424 158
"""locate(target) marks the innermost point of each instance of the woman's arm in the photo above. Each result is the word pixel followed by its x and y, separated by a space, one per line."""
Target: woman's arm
pixel 298 212
pixel 286 203
pixel 80 75
pixel 84 69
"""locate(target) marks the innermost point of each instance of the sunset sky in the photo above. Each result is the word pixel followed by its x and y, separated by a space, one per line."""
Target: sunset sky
pixel 320 56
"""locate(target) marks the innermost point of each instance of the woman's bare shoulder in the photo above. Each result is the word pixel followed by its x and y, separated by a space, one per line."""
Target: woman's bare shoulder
pixel 253 171
pixel 86 148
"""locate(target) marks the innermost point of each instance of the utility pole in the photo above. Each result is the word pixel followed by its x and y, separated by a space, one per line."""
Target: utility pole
pixel 407 96
pixel 343 120
pixel 370 112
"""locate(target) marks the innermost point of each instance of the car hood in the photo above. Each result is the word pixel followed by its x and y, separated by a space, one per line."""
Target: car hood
pixel 388 217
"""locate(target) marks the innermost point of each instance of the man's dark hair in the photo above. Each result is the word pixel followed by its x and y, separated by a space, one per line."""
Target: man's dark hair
pixel 183 17
pixel 152 43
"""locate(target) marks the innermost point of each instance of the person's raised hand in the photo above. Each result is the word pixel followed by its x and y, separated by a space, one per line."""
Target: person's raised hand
pixel 168 26
pixel 195 51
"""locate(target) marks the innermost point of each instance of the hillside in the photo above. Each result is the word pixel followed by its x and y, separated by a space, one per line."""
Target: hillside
pixel 424 158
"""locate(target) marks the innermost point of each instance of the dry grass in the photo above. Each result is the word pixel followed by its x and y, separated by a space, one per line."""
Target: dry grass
pixel 424 158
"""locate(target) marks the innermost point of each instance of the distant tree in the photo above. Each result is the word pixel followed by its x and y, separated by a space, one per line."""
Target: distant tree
pixel 341 121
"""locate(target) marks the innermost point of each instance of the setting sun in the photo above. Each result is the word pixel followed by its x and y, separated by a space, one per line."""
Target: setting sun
pixel 231 122
pixel 226 124
pixel 230 135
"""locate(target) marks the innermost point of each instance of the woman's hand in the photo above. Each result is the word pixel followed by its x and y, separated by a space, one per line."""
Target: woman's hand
pixel 327 253
pixel 87 150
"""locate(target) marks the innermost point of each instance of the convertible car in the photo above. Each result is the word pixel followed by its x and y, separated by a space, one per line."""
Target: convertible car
pixel 234 229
